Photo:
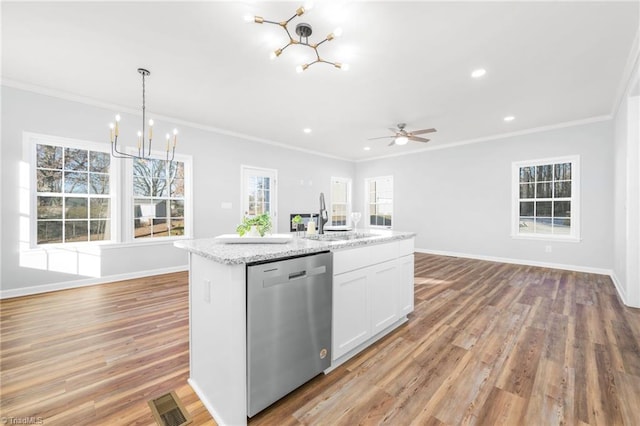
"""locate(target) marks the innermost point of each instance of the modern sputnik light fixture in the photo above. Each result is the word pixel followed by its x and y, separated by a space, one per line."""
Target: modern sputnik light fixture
pixel 144 140
pixel 303 30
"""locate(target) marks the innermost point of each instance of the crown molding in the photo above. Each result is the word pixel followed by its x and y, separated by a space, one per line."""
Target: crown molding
pixel 630 74
pixel 114 107
pixel 448 145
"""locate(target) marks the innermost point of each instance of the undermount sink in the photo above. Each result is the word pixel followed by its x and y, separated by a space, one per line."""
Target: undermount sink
pixel 342 236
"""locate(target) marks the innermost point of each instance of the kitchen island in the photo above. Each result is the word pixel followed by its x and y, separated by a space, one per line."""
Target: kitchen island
pixel 372 294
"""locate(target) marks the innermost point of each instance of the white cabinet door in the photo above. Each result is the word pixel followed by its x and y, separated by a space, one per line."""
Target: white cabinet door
pixel 383 283
pixel 372 289
pixel 405 287
pixel 351 325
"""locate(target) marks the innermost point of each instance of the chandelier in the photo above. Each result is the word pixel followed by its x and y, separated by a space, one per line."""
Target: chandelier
pixel 303 30
pixel 144 140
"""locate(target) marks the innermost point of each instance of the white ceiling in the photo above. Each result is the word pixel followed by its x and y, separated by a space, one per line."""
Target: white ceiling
pixel 546 62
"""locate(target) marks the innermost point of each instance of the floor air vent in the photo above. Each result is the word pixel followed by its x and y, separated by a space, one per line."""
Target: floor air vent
pixel 168 411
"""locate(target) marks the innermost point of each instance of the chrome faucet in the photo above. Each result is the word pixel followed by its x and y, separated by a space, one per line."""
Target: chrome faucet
pixel 322 217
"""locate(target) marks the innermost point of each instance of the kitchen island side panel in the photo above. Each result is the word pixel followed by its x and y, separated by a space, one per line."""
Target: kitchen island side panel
pixel 217 297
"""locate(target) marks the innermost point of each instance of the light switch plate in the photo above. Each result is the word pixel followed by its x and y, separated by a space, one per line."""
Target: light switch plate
pixel 226 205
pixel 207 291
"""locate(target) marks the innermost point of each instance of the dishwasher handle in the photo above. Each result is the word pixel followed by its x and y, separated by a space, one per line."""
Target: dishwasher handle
pixel 295 275
pixel 284 279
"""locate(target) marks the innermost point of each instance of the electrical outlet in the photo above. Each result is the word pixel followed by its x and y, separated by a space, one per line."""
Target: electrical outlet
pixel 548 249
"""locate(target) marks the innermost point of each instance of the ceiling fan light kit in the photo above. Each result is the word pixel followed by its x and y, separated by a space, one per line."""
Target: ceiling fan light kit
pixel 303 30
pixel 402 137
pixel 401 140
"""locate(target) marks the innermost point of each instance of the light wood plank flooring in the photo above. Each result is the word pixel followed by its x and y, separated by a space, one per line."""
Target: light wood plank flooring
pixel 488 344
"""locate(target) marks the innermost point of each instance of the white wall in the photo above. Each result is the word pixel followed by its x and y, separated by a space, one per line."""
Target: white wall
pixel 216 166
pixel 458 199
pixel 627 193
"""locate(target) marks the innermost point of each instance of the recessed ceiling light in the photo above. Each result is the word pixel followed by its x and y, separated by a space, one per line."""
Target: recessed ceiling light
pixel 367 148
pixel 509 118
pixel 478 73
pixel 306 130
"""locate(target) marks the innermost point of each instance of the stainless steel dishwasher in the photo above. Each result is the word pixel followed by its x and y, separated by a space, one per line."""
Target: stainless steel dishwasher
pixel 288 326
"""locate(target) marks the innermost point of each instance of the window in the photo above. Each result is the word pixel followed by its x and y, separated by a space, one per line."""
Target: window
pixel 78 191
pixel 379 200
pixel 340 201
pixel 259 192
pixel 73 196
pixel 546 198
pixel 160 207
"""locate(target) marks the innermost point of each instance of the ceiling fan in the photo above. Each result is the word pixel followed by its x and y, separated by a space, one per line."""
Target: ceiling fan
pixel 401 136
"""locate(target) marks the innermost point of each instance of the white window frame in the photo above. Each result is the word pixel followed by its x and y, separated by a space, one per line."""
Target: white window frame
pixel 245 172
pixel 574 235
pixel 348 184
pixel 30 141
pixel 129 216
pixel 366 213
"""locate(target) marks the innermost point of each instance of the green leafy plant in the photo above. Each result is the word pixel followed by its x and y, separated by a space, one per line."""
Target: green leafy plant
pixel 261 222
pixel 296 222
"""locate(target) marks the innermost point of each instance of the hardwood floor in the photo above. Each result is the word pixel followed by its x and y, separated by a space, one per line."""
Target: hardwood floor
pixel 488 344
pixel 96 355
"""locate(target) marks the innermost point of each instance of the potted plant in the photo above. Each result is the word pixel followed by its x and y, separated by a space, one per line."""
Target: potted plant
pixel 296 222
pixel 261 224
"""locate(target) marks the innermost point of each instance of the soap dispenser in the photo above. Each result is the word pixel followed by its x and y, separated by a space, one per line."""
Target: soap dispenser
pixel 311 227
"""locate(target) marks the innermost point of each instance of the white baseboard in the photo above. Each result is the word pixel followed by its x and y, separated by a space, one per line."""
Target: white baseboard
pixel 621 292
pixel 577 268
pixel 65 285
pixel 205 401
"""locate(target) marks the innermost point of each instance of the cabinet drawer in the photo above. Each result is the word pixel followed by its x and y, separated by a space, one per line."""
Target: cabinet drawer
pixel 360 257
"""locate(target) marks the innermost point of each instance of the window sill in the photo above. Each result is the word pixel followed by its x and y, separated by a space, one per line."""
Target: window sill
pixel 145 242
pixel 557 238
pixel 96 246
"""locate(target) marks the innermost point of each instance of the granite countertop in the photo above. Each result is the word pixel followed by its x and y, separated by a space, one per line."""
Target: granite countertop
pixel 245 253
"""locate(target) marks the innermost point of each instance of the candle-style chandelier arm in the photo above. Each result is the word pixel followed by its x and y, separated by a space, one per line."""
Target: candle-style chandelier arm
pixel 116 153
pixel 144 144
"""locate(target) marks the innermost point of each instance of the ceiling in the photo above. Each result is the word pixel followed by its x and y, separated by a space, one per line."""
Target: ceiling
pixel 546 63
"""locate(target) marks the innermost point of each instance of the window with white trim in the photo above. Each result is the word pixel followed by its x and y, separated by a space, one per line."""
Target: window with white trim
pixel 259 193
pixel 379 201
pixel 340 201
pixel 546 198
pixel 160 205
pixel 73 195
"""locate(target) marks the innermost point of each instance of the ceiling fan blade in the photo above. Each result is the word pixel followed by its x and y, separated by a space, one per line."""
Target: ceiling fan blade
pixel 393 142
pixel 417 139
pixel 423 131
pixel 381 137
